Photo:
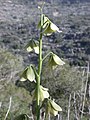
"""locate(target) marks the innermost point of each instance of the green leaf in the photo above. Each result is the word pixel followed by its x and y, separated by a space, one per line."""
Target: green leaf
pixel 30 74
pixel 21 117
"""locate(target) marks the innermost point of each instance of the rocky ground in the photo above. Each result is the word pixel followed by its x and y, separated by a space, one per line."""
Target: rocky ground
pixel 18 24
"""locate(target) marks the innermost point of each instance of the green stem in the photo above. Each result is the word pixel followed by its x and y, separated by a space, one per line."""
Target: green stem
pixel 46 56
pixel 39 70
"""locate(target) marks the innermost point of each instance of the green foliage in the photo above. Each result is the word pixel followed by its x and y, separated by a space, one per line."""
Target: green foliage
pixel 21 117
pixel 18 104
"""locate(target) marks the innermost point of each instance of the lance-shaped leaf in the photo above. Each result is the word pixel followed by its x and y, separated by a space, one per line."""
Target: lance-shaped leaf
pixel 54 60
pixel 53 108
pixel 33 46
pixel 48 27
pixel 30 74
pixel 43 93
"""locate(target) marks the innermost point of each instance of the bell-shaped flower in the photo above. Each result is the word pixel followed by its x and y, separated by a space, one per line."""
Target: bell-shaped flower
pixel 51 29
pixel 29 74
pixel 54 60
pixel 24 75
pixel 33 46
pixel 52 107
pixel 48 27
pixel 43 93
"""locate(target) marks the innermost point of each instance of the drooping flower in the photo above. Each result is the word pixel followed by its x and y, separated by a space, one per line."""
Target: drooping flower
pixel 28 74
pixel 33 46
pixel 52 107
pixel 54 60
pixel 43 93
pixel 48 27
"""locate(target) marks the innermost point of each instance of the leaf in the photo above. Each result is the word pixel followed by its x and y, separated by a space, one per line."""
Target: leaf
pixel 21 117
pixel 30 74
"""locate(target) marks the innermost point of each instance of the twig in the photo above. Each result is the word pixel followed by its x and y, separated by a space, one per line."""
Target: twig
pixel 76 114
pixel 82 90
pixel 8 108
pixel 69 107
pixel 85 91
pixel 0 104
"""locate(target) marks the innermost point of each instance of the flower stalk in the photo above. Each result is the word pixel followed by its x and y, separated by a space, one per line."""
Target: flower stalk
pixel 39 70
pixel 40 93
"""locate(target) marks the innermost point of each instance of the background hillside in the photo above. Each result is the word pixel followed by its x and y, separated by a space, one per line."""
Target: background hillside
pixel 18 24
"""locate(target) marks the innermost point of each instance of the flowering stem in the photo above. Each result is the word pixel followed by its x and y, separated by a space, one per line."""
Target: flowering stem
pixel 39 70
